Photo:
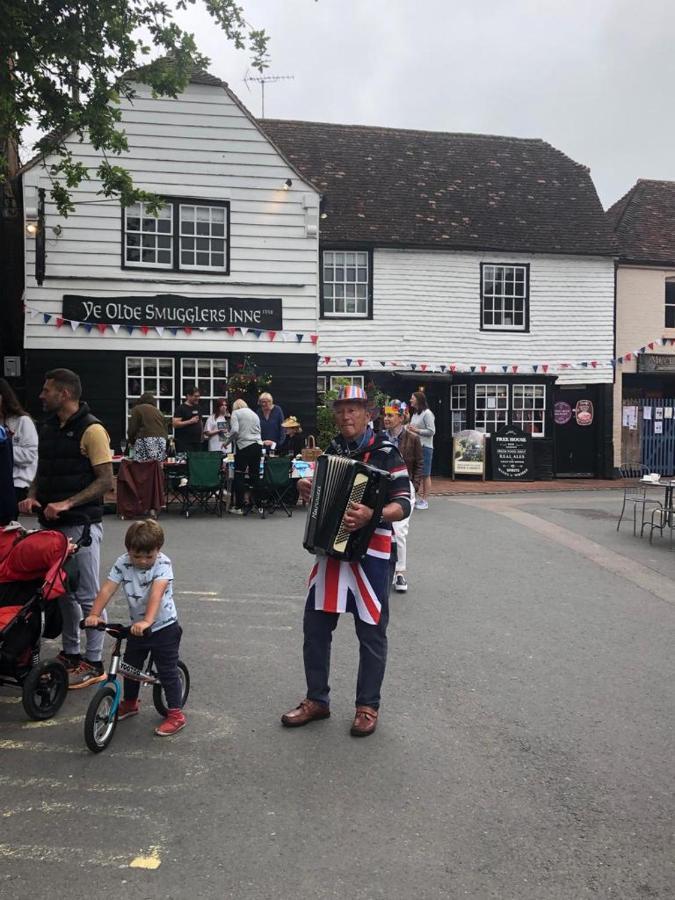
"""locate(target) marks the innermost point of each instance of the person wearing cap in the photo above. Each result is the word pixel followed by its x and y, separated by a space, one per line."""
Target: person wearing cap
pixel 293 441
pixel 410 448
pixel 360 587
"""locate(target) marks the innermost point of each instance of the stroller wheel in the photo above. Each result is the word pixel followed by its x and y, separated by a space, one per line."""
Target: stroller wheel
pixel 45 689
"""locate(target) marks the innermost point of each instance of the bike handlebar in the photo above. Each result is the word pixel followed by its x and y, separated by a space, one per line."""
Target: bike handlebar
pixel 115 629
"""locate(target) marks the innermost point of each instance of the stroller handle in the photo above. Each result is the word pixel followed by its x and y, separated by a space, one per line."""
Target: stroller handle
pixel 114 629
pixel 76 518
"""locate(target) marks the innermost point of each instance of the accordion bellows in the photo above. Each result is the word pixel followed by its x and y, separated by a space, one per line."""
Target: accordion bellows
pixel 339 481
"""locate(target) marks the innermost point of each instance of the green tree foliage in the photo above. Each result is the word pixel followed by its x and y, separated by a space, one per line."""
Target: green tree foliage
pixel 64 66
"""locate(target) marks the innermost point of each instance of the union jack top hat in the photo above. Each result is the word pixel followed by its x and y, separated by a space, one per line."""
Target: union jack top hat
pixel 351 393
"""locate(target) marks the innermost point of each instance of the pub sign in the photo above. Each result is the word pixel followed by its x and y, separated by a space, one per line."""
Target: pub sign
pixel 167 310
pixel 512 457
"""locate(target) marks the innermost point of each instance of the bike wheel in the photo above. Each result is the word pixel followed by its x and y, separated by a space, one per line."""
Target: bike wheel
pixel 100 723
pixel 158 697
pixel 45 689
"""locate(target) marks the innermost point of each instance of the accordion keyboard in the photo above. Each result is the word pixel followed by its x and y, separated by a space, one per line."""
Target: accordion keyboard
pixel 355 496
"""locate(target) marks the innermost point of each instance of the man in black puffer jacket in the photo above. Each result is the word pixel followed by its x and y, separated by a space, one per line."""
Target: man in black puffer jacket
pixel 74 473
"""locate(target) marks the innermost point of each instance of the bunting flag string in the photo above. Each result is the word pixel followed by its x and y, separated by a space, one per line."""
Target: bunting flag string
pixel 174 330
pixel 421 366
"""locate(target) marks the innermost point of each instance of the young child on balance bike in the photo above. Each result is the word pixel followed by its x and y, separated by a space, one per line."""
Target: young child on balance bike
pixel 146 577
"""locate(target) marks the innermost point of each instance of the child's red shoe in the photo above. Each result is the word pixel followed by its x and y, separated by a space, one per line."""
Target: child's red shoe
pixel 174 722
pixel 127 709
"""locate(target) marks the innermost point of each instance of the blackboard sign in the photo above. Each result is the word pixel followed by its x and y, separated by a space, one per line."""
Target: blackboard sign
pixel 512 458
pixel 172 309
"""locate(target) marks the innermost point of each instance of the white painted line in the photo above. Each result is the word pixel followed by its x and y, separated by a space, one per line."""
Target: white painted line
pixel 10 699
pixel 57 807
pixel 197 593
pixel 76 855
pixel 35 746
pixel 54 784
pixel 50 723
pixel 241 625
pixel 214 596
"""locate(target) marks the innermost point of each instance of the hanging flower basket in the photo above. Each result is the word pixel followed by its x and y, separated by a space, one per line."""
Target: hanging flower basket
pixel 248 378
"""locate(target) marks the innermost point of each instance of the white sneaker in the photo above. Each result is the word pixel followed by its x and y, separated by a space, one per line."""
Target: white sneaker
pixel 421 504
pixel 400 584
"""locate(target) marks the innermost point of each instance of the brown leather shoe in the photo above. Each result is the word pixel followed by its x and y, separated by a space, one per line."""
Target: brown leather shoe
pixel 307 711
pixel 365 721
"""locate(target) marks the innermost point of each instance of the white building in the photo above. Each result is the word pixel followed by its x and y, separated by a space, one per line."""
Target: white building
pixel 477 267
pixel 227 270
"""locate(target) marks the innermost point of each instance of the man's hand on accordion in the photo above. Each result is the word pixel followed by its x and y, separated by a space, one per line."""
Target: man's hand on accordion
pixel 304 488
pixel 356 516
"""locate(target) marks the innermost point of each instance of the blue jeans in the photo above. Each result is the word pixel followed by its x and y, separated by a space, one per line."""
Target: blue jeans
pixel 163 645
pixel 428 453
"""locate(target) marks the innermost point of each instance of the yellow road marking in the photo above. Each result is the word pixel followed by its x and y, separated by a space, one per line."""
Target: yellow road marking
pixel 151 861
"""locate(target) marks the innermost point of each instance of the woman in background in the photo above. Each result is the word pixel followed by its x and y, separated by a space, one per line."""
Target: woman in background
pixel 217 428
pixel 147 430
pixel 247 444
pixel 21 430
pixel 423 424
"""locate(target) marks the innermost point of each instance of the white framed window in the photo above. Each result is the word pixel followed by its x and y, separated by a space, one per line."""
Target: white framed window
pixel 491 407
pixel 154 374
pixel 528 408
pixel 336 381
pixel 148 240
pixel 202 237
pixel 346 275
pixel 185 235
pixel 670 303
pixel 458 404
pixel 210 377
pixel 504 297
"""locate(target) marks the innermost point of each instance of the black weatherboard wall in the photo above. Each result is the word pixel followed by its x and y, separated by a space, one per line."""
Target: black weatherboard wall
pixel 103 381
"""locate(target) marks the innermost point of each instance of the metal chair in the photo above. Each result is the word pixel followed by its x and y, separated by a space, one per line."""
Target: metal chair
pixel 666 516
pixel 635 492
pixel 205 482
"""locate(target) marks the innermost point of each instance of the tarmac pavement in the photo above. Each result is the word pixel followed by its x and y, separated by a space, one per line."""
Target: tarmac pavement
pixel 524 750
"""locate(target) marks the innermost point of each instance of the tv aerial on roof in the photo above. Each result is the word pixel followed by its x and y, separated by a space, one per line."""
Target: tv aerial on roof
pixel 262 80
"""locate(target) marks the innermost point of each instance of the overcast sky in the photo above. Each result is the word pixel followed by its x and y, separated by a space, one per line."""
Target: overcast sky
pixel 595 78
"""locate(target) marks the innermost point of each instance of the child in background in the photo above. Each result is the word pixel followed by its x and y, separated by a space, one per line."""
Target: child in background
pixel 147 580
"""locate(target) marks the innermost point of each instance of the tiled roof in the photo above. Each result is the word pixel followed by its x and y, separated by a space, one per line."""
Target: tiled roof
pixel 644 222
pixel 387 186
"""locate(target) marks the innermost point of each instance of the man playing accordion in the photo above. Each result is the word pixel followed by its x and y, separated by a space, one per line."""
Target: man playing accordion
pixel 361 586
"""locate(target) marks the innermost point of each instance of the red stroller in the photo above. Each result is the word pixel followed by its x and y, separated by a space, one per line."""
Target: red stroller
pixel 33 575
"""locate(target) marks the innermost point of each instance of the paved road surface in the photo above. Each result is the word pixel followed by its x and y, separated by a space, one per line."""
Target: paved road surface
pixel 525 750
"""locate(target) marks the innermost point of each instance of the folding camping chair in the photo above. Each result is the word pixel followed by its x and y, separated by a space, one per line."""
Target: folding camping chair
pixel 205 482
pixel 276 488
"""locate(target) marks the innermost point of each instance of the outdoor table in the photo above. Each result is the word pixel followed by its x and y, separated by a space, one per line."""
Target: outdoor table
pixel 664 484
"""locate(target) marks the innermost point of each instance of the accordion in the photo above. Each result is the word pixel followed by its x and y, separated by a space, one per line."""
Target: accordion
pixel 339 481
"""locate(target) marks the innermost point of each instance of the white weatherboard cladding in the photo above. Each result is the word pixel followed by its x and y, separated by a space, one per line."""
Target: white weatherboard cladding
pixel 426 308
pixel 200 145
